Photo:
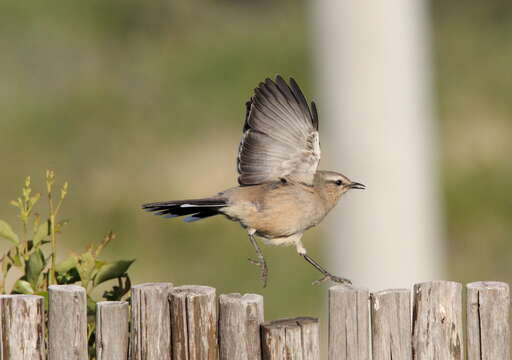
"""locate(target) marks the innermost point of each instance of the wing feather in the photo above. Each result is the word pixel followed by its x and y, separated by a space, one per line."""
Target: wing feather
pixel 280 139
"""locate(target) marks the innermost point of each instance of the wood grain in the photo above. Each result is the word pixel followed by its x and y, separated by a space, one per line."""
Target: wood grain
pixel 22 327
pixel 194 323
pixel 488 321
pixel 349 323
pixel 437 321
pixel 240 318
pixel 67 323
pixel 391 324
pixel 112 330
pixel 290 339
pixel 150 336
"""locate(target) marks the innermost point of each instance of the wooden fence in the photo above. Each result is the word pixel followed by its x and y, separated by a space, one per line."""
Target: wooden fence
pixel 190 323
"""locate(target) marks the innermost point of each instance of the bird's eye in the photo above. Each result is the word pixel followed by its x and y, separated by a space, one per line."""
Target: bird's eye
pixel 339 182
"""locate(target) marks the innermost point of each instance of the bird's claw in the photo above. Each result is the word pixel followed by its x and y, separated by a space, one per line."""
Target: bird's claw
pixel 333 278
pixel 261 263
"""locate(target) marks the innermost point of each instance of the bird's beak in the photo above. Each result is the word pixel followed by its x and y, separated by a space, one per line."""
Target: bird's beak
pixel 356 185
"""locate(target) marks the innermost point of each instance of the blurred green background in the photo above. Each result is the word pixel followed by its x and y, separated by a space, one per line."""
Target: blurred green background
pixel 134 101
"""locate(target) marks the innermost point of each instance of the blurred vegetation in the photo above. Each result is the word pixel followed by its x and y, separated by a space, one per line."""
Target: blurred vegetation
pixel 138 101
pixel 30 261
pixel 473 53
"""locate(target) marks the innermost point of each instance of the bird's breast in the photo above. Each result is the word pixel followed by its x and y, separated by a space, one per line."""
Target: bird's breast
pixel 277 211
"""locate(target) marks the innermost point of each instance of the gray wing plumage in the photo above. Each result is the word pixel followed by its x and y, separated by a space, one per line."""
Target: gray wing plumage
pixel 280 139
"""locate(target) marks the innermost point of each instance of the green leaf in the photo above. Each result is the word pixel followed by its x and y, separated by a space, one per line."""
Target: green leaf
pixel 6 264
pixel 22 287
pixel 117 292
pixel 91 307
pixel 70 277
pixel 85 265
pixel 14 255
pixel 6 232
pixel 112 271
pixel 41 233
pixel 66 265
pixel 34 266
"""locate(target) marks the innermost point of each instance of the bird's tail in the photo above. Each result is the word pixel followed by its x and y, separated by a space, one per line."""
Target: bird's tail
pixel 196 209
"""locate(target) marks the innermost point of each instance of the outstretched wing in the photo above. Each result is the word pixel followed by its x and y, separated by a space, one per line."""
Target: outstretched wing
pixel 280 139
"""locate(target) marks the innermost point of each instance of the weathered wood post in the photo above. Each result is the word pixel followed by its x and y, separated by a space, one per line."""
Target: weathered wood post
pixel 67 323
pixel 22 327
pixel 150 336
pixel 240 318
pixel 437 321
pixel 295 339
pixel 112 330
pixel 391 324
pixel 194 323
pixel 488 320
pixel 349 323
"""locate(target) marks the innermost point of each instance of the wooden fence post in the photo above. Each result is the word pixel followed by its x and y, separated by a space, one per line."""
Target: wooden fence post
pixel 150 335
pixel 349 323
pixel 295 339
pixel 112 330
pixel 437 321
pixel 240 318
pixel 22 327
pixel 391 324
pixel 488 316
pixel 67 323
pixel 194 323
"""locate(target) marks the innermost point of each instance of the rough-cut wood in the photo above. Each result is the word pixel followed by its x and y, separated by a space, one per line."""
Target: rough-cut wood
pixel 67 323
pixel 391 324
pixel 112 330
pixel 22 327
pixel 488 311
pixel 290 339
pixel 150 335
pixel 240 318
pixel 349 323
pixel 194 323
pixel 437 321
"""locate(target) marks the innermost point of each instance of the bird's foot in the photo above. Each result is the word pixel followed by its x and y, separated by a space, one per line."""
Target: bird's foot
pixel 333 278
pixel 262 264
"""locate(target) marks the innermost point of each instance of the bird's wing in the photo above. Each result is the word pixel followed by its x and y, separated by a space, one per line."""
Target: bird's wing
pixel 280 139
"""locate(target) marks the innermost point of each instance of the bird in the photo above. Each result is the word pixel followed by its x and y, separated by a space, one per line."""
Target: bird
pixel 281 193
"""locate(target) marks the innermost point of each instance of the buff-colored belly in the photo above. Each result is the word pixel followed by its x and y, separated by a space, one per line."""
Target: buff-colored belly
pixel 278 217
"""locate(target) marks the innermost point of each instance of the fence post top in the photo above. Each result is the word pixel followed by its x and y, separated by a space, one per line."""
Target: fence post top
pixel 487 285
pixel 21 296
pixel 290 322
pixel 197 290
pixel 438 283
pixel 153 285
pixel 237 297
pixel 347 289
pixel 390 292
pixel 66 288
pixel 111 303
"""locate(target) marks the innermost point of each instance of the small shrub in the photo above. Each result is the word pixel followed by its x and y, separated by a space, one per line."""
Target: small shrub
pixel 33 252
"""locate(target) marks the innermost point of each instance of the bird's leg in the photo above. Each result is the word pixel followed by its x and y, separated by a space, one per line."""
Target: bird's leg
pixel 327 275
pixel 261 260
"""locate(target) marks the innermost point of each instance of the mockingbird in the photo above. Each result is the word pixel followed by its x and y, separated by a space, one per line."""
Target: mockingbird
pixel 281 193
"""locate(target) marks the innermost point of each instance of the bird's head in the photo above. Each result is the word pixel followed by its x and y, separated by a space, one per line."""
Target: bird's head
pixel 333 184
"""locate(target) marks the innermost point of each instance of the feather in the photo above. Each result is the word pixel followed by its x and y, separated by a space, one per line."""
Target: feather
pixel 280 135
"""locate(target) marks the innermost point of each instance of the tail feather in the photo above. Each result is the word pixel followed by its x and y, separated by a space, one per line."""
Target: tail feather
pixel 197 209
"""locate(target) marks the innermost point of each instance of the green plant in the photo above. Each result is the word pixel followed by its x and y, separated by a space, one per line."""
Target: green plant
pixel 33 253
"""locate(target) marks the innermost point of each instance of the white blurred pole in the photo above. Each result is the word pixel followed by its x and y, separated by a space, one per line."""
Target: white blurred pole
pixel 372 72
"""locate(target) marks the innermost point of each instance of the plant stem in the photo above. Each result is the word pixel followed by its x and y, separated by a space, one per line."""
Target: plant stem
pixel 53 240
